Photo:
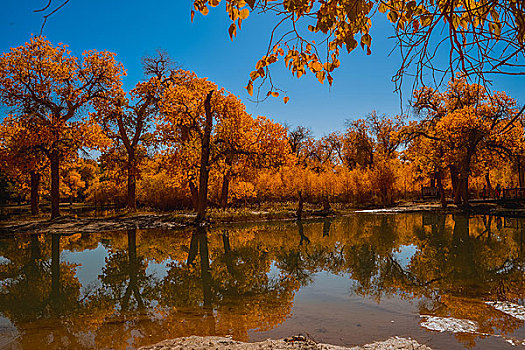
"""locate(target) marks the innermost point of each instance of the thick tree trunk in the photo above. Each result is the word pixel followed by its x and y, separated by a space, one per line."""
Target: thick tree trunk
pixel 463 189
pixel 194 194
pixel 455 184
pixel 131 199
pixel 54 159
pixel 205 159
pixel 35 199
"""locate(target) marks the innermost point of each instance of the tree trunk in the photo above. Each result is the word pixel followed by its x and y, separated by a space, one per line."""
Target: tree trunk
pixel 202 202
pixel 131 199
pixel 54 159
pixel 441 190
pixel 225 189
pixel 487 180
pixel 194 194
pixel 226 183
pixel 520 172
pixel 35 199
pixel 455 184
pixel 463 181
pixel 461 192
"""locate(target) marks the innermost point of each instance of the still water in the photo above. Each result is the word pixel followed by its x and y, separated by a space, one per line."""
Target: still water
pixel 345 281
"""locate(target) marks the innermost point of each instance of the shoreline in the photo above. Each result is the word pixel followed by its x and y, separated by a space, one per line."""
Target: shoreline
pixel 294 342
pixel 69 224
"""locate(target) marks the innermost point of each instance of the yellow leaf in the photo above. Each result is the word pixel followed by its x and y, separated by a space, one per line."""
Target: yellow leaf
pixel 250 88
pixel 232 30
pixel 320 76
pixel 392 16
pixel 316 66
pixel 366 39
pixel 244 13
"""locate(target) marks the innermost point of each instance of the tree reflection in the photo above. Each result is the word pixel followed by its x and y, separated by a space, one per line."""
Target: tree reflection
pixel 37 286
pixel 155 285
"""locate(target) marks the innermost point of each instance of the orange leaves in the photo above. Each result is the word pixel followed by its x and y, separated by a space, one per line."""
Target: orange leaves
pixel 249 88
pixel 239 143
pixel 465 125
pixel 47 87
pixel 339 21
pixel 232 30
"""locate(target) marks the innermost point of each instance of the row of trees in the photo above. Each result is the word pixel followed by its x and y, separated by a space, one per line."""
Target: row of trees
pixel 60 104
pixel 178 139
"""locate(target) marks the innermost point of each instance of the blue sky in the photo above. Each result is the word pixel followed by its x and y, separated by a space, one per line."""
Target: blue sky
pixel 133 29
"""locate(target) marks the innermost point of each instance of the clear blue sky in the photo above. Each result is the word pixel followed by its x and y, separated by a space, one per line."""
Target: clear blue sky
pixel 133 29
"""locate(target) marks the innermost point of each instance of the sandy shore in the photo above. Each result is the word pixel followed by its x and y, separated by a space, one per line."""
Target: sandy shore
pixel 296 342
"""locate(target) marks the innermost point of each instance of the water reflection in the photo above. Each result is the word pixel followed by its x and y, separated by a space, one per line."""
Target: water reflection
pixel 155 284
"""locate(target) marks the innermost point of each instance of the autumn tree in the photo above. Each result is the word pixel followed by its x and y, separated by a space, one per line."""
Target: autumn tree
pixel 466 124
pixel 297 138
pixel 47 88
pixel 358 145
pixel 129 121
pixel 208 129
pixel 187 121
pixel 20 155
pixel 244 146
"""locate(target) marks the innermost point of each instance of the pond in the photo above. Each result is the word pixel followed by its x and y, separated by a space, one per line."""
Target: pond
pixel 344 281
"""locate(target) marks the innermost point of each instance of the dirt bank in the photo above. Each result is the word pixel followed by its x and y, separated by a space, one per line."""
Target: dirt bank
pixel 296 342
pixel 72 224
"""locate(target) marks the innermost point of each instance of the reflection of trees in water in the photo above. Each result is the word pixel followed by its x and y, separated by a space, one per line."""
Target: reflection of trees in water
pixel 229 281
pixel 227 290
pixel 36 285
pixel 124 276
pixel 455 267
